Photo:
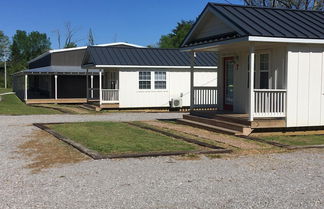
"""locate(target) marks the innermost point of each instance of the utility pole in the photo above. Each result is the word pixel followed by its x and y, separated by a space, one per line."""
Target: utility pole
pixel 5 74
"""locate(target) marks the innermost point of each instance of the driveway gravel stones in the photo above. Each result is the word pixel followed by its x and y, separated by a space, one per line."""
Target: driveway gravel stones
pixel 285 180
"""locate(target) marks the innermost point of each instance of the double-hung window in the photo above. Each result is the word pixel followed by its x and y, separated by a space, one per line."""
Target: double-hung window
pixel 145 80
pixel 261 71
pixel 160 80
pixel 264 71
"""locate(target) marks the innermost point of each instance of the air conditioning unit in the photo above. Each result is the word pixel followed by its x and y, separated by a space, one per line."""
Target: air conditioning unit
pixel 176 103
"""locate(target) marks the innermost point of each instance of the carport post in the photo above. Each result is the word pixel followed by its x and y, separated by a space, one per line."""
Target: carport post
pixel 91 85
pixel 55 83
pixel 100 87
pixel 26 87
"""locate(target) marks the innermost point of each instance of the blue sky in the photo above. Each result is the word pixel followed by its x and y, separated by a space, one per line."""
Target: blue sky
pixel 135 21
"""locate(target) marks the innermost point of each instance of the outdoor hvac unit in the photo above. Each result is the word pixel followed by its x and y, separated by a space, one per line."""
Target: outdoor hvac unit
pixel 176 103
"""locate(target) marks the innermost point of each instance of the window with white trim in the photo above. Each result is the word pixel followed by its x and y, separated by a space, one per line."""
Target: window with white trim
pixel 264 71
pixel 145 80
pixel 160 80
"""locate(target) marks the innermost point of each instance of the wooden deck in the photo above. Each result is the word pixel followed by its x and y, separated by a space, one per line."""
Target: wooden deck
pixel 229 122
pixel 242 119
pixel 57 101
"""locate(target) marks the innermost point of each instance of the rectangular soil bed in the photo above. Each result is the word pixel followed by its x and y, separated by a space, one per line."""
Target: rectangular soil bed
pixel 117 139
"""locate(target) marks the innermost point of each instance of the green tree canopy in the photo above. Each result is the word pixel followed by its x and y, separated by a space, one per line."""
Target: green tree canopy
pixel 175 38
pixel 26 46
pixel 4 47
pixel 291 4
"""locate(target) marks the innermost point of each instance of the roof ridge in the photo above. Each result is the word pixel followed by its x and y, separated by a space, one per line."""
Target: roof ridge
pixel 132 47
pixel 260 7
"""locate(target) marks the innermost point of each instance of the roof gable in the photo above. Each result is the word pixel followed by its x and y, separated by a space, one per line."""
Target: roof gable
pixel 260 21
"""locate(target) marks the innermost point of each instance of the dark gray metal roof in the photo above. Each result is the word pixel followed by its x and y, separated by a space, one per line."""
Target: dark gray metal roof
pixel 144 57
pixel 269 22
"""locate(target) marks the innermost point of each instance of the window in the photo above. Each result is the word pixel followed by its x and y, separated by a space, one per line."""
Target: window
pixel 261 71
pixel 144 80
pixel 264 71
pixel 160 80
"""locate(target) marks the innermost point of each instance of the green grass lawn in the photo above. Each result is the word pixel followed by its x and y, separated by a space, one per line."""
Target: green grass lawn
pixel 120 138
pixel 3 90
pixel 11 105
pixel 299 140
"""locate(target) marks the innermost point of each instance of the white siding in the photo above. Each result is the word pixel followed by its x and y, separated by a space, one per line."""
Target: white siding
pixel 178 83
pixel 304 86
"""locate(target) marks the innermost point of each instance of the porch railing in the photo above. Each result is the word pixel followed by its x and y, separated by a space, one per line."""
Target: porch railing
pixel 205 97
pixel 269 103
pixel 110 95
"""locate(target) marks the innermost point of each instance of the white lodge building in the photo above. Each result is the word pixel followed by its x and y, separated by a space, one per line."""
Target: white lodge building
pixel 148 77
pixel 271 66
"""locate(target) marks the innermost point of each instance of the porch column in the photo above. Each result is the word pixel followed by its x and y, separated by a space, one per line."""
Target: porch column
pixel 55 86
pixel 91 85
pixel 100 87
pixel 26 87
pixel 251 78
pixel 87 84
pixel 192 63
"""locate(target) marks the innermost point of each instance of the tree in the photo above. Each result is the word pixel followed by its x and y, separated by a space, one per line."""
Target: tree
pixel 175 38
pixel 70 33
pixel 90 38
pixel 25 47
pixel 4 53
pixel 4 47
pixel 290 4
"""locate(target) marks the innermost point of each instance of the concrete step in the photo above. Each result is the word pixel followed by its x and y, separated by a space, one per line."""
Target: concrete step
pixel 209 127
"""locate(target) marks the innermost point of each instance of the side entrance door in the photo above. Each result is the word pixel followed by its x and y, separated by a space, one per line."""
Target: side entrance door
pixel 228 82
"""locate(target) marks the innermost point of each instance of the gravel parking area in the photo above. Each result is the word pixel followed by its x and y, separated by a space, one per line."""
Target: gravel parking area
pixel 286 180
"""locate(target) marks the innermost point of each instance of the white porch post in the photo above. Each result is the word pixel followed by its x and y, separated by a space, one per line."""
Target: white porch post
pixel 91 86
pixel 251 78
pixel 100 87
pixel 26 87
pixel 87 84
pixel 192 63
pixel 55 86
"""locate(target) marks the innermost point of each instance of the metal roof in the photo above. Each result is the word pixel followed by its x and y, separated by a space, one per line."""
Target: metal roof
pixel 66 70
pixel 116 56
pixel 84 47
pixel 268 22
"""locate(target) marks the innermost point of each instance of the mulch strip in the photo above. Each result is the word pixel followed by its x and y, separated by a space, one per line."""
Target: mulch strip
pixel 97 156
pixel 290 147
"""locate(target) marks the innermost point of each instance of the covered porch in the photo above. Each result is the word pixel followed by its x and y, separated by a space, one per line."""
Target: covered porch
pixel 106 95
pixel 251 81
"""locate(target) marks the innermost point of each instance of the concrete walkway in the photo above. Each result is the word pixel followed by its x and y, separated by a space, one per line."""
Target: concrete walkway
pixel 289 180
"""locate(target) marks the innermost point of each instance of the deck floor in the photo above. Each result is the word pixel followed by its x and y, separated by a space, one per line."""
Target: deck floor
pixel 57 101
pixel 242 118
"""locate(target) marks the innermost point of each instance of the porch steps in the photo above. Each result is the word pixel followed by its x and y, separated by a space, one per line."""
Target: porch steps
pixel 91 107
pixel 217 125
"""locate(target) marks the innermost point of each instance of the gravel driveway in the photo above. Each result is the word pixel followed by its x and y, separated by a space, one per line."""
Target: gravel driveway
pixel 289 180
